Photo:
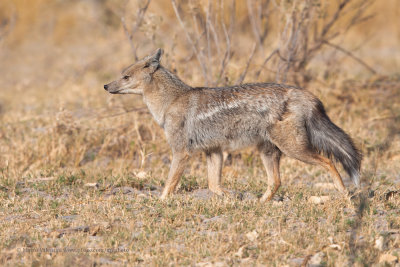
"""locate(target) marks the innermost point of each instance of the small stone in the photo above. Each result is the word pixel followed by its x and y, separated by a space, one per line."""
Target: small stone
pixel 216 219
pixel 389 258
pixel 124 190
pixel 277 203
pixel 316 259
pixel 239 253
pixel 296 262
pixel 252 236
pixel 106 261
pixel 247 196
pixel 69 218
pixel 380 243
pixel 95 185
pixel 141 175
pixel 41 179
pixel 335 246
pixel 203 194
pixel 318 200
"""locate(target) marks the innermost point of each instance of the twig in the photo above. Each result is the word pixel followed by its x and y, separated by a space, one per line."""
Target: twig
pixel 139 20
pixel 253 23
pixel 140 16
pixel 122 113
pixel 130 38
pixel 197 53
pixel 327 27
pixel 243 75
pixel 227 54
pixel 208 33
pixel 266 61
pixel 188 58
pixel 334 18
pixel 341 49
pixel 214 33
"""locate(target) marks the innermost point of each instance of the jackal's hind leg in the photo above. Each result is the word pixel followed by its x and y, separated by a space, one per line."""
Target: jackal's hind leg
pixel 270 161
pixel 175 173
pixel 328 165
pixel 295 144
pixel 214 168
pixel 317 159
pixel 302 152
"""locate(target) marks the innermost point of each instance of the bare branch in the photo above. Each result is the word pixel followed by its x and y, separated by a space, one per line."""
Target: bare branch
pixel 215 35
pixel 334 18
pixel 253 22
pixel 208 33
pixel 194 48
pixel 244 73
pixel 139 20
pixel 188 58
pixel 140 16
pixel 266 61
pixel 227 54
pixel 341 49
pixel 130 38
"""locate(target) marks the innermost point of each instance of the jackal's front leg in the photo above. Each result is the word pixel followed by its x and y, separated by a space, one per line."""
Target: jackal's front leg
pixel 175 173
pixel 214 167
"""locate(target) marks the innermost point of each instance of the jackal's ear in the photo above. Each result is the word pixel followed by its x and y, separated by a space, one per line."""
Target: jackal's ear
pixel 153 61
pixel 157 54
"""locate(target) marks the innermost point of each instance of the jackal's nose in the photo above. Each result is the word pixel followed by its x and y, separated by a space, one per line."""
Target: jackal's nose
pixel 105 87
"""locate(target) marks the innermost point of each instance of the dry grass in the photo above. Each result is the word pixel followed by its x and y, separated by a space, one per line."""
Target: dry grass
pixel 81 170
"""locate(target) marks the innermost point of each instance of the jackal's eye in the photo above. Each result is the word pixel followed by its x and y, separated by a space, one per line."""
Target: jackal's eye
pixel 126 77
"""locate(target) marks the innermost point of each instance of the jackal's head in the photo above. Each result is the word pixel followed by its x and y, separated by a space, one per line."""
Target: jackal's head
pixel 137 76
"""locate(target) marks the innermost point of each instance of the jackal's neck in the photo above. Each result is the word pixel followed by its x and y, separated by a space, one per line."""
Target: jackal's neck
pixel 164 78
pixel 164 89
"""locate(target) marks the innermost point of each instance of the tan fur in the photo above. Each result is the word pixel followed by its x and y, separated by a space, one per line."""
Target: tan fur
pixel 274 118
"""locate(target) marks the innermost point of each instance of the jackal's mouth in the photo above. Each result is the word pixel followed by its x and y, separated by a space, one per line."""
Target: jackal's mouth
pixel 112 89
pixel 107 88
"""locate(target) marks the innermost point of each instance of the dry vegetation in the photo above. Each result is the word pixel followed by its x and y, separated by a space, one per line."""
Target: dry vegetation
pixel 81 170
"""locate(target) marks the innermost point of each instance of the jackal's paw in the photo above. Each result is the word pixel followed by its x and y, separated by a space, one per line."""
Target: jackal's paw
pixel 220 191
pixel 266 197
pixel 164 196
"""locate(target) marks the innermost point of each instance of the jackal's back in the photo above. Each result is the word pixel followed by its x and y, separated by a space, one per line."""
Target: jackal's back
pixel 234 117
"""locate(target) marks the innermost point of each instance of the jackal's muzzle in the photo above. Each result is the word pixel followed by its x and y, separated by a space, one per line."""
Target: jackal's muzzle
pixel 110 89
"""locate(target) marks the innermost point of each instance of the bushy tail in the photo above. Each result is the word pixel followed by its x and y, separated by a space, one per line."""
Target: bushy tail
pixel 329 139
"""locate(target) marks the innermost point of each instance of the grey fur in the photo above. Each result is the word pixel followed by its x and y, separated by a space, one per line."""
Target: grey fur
pixel 274 118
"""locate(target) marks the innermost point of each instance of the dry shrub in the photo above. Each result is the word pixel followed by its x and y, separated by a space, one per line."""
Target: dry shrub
pixel 296 30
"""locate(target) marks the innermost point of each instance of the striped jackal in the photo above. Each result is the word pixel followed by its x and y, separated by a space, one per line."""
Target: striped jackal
pixel 273 118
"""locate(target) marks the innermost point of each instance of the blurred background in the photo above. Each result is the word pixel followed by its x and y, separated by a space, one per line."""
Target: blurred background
pixel 55 56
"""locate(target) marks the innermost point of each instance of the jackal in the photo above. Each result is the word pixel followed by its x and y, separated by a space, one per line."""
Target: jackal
pixel 274 118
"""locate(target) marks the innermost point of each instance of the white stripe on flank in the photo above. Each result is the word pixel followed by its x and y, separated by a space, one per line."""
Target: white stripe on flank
pixel 217 109
pixel 225 106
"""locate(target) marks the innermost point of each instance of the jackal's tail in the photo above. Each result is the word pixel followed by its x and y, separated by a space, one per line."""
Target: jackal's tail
pixel 329 139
